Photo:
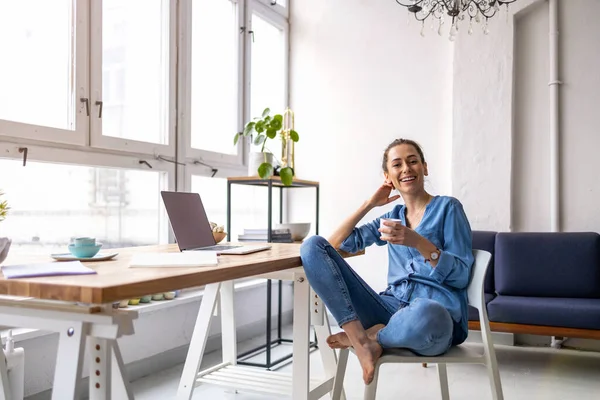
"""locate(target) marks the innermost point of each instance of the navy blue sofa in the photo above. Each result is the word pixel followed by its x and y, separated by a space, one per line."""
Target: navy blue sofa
pixel 542 283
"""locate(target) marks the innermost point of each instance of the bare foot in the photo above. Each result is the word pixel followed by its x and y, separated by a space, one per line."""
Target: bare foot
pixel 368 353
pixel 339 341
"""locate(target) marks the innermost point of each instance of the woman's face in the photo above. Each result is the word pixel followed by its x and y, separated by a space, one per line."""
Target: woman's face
pixel 405 170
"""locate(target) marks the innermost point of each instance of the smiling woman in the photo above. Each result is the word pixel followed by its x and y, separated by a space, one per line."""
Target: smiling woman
pixel 424 307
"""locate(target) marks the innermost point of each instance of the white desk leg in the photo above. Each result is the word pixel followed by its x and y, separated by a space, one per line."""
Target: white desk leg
pixel 120 382
pixel 328 356
pixel 100 368
pixel 198 342
pixel 228 338
pixel 4 386
pixel 301 365
pixel 69 362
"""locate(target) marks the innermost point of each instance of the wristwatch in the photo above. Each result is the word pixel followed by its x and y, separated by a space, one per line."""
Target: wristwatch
pixel 434 255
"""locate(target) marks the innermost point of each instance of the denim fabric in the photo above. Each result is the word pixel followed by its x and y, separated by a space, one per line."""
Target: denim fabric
pixel 410 277
pixel 423 326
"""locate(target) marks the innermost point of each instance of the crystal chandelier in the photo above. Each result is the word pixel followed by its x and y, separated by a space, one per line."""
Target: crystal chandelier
pixel 455 11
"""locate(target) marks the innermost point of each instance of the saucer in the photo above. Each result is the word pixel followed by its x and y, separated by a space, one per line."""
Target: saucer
pixel 70 257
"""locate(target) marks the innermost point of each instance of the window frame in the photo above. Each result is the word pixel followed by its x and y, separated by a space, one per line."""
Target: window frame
pixel 280 22
pixel 190 154
pixel 97 139
pixel 79 136
pixel 284 11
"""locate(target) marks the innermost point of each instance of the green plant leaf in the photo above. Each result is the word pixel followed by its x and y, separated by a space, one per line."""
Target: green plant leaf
pixel 278 117
pixel 249 128
pixel 266 112
pixel 294 135
pixel 275 124
pixel 259 127
pixel 271 133
pixel 267 119
pixel 265 170
pixel 259 139
pixel 287 176
pixel 236 138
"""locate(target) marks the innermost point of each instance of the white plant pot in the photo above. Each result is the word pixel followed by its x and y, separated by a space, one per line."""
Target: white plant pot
pixel 257 158
pixel 4 246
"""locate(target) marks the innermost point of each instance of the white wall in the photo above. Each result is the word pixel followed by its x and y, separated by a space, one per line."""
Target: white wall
pixel 500 111
pixel 361 77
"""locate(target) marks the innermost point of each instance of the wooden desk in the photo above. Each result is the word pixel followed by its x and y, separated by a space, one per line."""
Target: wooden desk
pixel 115 281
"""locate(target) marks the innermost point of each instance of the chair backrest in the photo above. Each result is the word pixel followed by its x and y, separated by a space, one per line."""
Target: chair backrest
pixel 475 289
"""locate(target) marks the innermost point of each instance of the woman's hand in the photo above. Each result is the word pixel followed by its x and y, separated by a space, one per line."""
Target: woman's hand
pixel 382 196
pixel 396 233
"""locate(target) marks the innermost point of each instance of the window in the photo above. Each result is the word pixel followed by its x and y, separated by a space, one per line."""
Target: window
pixel 118 207
pixel 131 68
pixel 248 204
pixel 42 73
pixel 215 72
pixel 110 83
pixel 268 45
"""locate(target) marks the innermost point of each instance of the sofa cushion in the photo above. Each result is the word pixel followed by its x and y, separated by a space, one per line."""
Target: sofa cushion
pixel 548 311
pixel 485 240
pixel 548 264
pixel 473 313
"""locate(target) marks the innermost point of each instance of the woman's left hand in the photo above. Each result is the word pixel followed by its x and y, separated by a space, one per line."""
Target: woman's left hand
pixel 396 233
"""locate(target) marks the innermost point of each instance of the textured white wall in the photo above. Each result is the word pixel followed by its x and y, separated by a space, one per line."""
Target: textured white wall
pixel 531 147
pixel 361 77
pixel 580 99
pixel 501 162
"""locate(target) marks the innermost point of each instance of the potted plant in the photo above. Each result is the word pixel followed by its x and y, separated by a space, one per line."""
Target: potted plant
pixel 4 242
pixel 260 130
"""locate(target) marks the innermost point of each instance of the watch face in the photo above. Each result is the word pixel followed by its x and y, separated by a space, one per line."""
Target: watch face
pixel 434 255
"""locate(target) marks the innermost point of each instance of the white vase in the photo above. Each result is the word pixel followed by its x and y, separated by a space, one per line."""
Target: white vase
pixel 4 246
pixel 257 158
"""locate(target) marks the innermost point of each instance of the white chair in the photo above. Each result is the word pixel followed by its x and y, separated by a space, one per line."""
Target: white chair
pixel 456 354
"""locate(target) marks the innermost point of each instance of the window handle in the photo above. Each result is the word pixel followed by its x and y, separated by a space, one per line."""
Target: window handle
pixel 87 105
pixel 24 151
pixel 99 103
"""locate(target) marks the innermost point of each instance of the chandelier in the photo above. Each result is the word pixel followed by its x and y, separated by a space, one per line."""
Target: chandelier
pixel 456 11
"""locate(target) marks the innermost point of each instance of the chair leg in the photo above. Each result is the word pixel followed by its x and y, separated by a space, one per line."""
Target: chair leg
pixel 443 375
pixel 371 388
pixel 494 375
pixel 338 382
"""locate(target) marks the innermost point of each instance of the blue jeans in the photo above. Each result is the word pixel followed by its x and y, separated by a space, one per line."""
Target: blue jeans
pixel 424 326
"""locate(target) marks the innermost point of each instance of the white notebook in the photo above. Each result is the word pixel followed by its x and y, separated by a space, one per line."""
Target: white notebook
pixel 167 260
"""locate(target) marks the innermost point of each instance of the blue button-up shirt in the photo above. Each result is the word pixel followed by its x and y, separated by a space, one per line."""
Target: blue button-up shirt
pixel 410 277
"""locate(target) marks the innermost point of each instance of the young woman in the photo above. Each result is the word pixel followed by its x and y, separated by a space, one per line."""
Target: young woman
pixel 424 307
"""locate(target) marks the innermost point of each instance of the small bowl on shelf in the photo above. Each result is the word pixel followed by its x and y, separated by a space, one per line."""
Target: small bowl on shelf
pixel 219 236
pixel 299 230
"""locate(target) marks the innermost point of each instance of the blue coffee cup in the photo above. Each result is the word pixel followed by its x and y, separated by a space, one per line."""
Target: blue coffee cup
pixel 84 241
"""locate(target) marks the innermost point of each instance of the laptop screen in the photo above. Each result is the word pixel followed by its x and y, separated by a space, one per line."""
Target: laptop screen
pixel 188 220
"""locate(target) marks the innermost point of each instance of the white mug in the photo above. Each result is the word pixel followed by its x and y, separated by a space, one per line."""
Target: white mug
pixel 381 225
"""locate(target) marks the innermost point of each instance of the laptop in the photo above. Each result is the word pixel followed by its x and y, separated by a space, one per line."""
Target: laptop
pixel 191 226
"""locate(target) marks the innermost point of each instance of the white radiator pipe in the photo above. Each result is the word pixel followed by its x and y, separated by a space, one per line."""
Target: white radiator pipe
pixel 15 365
pixel 554 85
pixel 554 119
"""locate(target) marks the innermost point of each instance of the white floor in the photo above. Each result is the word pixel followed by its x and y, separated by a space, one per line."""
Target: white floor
pixel 527 374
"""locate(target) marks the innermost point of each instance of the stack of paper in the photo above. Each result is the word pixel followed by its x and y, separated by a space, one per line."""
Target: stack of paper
pixel 186 259
pixel 46 269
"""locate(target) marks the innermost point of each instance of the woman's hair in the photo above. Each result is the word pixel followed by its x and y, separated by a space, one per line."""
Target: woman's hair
pixel 398 142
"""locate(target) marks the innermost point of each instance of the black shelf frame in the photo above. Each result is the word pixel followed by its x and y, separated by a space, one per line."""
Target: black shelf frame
pixel 270 342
